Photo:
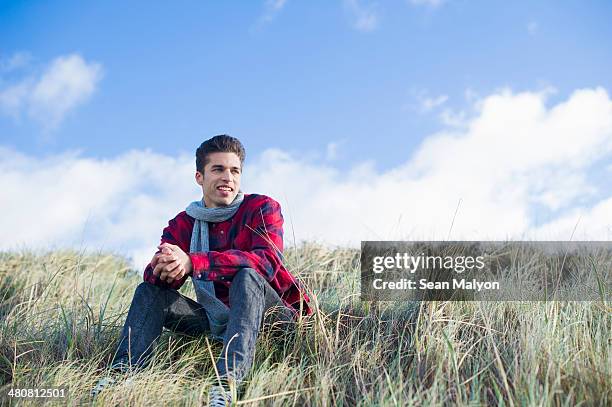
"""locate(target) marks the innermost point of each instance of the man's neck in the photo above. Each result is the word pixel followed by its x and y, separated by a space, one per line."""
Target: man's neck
pixel 206 206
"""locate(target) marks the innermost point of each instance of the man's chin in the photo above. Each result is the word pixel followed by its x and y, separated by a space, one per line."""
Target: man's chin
pixel 226 201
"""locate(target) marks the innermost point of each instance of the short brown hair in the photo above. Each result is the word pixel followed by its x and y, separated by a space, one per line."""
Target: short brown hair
pixel 218 144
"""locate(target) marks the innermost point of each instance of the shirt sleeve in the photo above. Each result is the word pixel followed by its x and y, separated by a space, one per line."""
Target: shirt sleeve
pixel 265 254
pixel 171 234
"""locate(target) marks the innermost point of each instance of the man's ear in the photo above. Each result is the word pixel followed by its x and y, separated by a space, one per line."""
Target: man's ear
pixel 199 177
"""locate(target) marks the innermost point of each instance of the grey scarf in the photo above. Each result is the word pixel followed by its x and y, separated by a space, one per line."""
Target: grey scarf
pixel 216 311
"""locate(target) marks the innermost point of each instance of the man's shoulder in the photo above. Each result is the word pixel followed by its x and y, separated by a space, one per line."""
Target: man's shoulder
pixel 179 229
pixel 260 204
pixel 259 199
pixel 254 201
pixel 251 203
pixel 182 219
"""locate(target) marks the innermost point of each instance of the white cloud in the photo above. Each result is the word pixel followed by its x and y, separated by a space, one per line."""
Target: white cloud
pixel 581 224
pixel 430 103
pixel 428 3
pixel 452 118
pixel 14 98
pixel 271 9
pixel 68 82
pixel 363 17
pixel 515 154
pixel 424 102
pixel 120 204
pixel 16 61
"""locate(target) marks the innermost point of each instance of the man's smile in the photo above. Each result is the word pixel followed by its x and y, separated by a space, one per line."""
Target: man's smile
pixel 225 191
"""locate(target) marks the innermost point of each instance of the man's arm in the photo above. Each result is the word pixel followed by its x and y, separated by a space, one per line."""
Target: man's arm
pixel 266 226
pixel 165 263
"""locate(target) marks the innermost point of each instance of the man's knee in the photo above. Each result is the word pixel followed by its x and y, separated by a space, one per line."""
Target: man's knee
pixel 145 289
pixel 247 276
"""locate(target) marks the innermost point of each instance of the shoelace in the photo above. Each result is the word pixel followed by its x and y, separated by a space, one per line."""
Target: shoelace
pixel 102 384
pixel 218 396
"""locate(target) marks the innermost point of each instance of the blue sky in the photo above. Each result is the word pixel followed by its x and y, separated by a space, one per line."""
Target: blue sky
pixel 346 96
pixel 305 78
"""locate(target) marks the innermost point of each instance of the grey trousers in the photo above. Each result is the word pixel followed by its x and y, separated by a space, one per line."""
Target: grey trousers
pixel 154 308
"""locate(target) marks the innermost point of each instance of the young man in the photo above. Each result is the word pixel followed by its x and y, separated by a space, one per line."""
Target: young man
pixel 230 244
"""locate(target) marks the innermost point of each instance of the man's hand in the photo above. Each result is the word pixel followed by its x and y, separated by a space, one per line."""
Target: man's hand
pixel 171 263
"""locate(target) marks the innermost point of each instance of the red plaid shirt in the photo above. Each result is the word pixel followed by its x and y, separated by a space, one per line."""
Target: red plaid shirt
pixel 252 238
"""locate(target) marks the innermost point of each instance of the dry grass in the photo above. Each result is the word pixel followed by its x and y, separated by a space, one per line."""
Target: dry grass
pixel 61 315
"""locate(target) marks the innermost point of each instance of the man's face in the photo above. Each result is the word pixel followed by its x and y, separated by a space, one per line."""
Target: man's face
pixel 221 179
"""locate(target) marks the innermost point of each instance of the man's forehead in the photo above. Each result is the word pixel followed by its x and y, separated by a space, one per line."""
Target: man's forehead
pixel 224 159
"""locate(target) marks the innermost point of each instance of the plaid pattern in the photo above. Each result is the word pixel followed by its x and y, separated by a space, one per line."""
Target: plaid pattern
pixel 252 238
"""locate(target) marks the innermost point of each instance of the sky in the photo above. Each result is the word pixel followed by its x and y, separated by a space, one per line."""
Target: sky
pixel 411 119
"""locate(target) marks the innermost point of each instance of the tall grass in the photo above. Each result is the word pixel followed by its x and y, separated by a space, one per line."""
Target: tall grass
pixel 62 312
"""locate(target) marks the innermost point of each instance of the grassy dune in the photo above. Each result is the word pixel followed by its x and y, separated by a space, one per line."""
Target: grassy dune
pixel 62 312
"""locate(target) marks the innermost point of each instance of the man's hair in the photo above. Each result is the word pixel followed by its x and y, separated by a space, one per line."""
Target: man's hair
pixel 218 144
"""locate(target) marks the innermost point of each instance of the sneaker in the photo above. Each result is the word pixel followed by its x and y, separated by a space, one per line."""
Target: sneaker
pixel 219 396
pixel 103 383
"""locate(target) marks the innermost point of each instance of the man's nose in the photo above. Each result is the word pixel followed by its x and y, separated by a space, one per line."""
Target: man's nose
pixel 227 175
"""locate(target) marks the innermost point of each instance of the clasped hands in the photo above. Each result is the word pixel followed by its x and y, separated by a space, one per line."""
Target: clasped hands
pixel 171 263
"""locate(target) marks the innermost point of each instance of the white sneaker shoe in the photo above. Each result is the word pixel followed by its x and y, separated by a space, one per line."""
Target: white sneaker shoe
pixel 103 383
pixel 219 396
